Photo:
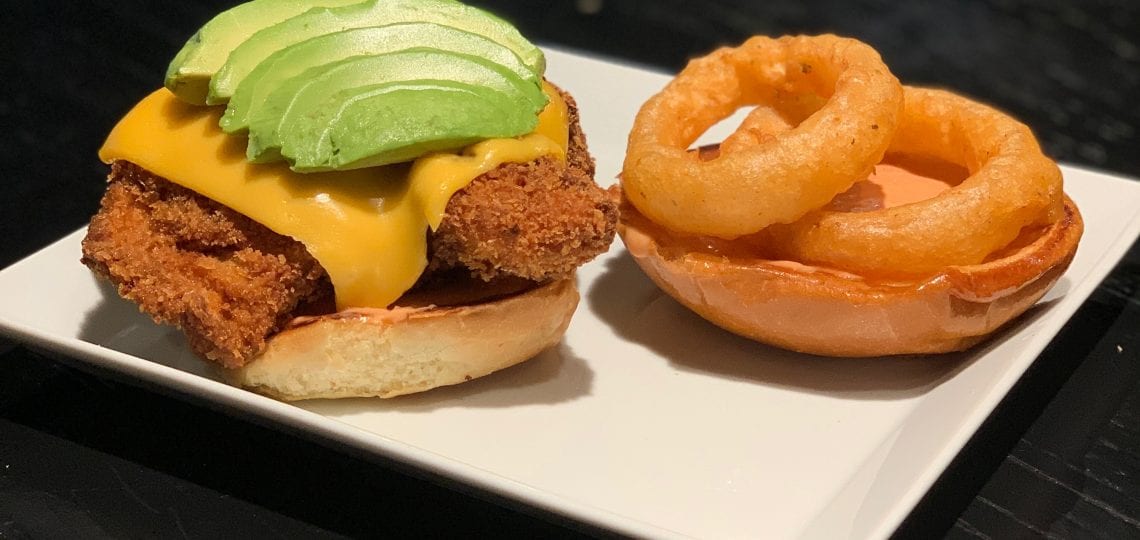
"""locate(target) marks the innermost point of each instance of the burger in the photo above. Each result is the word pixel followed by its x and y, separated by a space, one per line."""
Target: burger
pixel 344 198
pixel 945 224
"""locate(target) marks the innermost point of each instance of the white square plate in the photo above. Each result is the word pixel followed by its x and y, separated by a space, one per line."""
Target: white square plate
pixel 646 419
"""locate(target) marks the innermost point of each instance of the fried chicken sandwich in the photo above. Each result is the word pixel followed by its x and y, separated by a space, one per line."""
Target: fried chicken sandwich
pixel 345 198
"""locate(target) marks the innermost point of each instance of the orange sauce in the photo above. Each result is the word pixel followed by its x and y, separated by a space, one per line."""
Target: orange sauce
pixel 899 180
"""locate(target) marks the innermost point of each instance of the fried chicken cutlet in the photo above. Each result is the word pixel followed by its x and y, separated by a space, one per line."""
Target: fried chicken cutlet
pixel 229 283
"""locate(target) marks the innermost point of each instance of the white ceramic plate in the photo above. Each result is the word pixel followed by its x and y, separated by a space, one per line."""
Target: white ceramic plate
pixel 646 419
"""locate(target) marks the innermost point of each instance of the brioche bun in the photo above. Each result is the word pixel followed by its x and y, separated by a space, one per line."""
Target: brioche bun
pixel 832 313
pixel 425 341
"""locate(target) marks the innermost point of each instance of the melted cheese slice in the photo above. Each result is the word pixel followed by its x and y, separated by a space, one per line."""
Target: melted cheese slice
pixel 367 227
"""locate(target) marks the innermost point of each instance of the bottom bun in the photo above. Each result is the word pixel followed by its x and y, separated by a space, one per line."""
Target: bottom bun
pixel 833 313
pixel 402 350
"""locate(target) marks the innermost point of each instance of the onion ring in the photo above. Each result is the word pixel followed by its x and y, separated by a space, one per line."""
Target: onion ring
pixel 1011 186
pixel 773 181
pixel 765 122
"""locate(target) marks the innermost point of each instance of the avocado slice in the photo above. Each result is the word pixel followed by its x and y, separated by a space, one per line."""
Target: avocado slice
pixel 397 122
pixel 245 58
pixel 295 59
pixel 287 109
pixel 188 75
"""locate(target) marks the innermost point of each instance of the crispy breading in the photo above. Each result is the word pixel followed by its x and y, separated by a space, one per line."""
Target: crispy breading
pixel 539 220
pixel 229 282
pixel 187 261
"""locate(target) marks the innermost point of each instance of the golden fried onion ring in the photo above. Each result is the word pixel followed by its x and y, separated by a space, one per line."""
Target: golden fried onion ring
pixel 1012 185
pixel 777 180
pixel 765 122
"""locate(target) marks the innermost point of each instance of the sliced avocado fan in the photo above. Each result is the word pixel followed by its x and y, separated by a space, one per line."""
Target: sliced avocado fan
pixel 188 75
pixel 396 122
pixel 291 61
pixel 261 45
pixel 298 116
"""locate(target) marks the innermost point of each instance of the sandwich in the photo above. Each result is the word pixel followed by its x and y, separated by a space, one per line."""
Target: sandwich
pixel 344 198
pixel 848 215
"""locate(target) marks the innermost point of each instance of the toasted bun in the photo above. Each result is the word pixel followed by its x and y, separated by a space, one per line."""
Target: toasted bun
pixel 832 313
pixel 387 353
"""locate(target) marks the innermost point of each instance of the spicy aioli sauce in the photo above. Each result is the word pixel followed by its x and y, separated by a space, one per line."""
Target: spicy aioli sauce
pixel 899 180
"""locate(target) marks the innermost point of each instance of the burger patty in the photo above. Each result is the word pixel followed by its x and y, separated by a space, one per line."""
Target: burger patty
pixel 229 283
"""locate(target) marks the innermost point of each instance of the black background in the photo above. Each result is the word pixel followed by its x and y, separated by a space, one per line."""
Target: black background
pixel 87 454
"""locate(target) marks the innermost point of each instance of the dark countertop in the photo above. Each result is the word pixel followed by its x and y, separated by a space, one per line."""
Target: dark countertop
pixel 86 453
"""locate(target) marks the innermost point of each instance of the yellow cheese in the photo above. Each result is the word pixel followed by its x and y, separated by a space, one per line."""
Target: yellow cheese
pixel 554 120
pixel 367 227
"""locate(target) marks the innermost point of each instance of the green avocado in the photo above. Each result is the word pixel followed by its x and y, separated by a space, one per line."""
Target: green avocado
pixel 295 114
pixel 397 122
pixel 253 90
pixel 188 75
pixel 247 56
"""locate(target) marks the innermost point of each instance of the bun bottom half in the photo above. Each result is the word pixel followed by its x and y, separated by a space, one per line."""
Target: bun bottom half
pixel 410 348
pixel 831 313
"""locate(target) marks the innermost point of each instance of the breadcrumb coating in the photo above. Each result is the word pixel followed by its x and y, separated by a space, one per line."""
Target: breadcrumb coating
pixel 225 280
pixel 539 220
pixel 229 283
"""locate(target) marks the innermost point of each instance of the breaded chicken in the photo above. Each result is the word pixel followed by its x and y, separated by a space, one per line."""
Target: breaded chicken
pixel 224 279
pixel 539 220
pixel 229 283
